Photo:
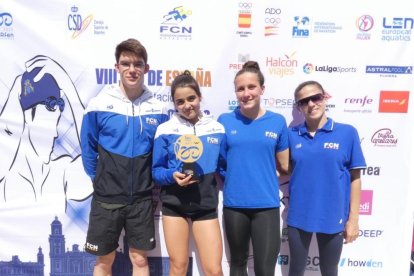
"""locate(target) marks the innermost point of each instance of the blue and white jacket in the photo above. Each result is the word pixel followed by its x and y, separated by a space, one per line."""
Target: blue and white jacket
pixel 198 196
pixel 117 140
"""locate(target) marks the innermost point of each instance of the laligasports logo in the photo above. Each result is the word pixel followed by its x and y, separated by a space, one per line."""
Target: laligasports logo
pixel 360 263
pixel 365 206
pixel 394 101
pixel 302 27
pixel 282 66
pixel 76 24
pixel 309 68
pixel 389 71
pixel 364 24
pixel 244 19
pixel 6 29
pixel 397 29
pixel 358 105
pixel 172 26
pixel 272 21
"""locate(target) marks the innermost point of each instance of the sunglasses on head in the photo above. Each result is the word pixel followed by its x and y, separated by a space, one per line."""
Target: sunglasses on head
pixel 316 99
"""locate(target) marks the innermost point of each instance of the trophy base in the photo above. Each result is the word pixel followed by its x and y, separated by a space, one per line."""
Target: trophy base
pixel 190 169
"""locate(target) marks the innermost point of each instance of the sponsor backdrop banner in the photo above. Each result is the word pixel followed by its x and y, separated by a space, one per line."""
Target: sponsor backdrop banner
pixel 61 53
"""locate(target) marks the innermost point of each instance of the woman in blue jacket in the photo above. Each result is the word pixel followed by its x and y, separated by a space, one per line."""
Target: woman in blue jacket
pixel 185 158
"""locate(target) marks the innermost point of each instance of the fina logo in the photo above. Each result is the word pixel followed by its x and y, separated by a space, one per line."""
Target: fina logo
pixel 302 27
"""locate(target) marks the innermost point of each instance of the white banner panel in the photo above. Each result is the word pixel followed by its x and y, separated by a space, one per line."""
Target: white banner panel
pixel 361 52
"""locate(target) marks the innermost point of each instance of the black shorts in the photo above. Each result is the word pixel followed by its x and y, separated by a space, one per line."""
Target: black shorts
pixel 174 211
pixel 105 227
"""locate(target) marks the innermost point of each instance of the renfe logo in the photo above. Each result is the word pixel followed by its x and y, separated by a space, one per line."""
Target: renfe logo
pixel 365 206
pixel 394 101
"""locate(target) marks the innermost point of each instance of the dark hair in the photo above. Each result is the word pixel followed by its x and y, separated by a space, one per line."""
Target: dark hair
pixel 251 67
pixel 306 83
pixel 131 45
pixel 185 79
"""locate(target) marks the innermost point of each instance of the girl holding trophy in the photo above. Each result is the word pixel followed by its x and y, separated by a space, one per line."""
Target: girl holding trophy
pixel 185 158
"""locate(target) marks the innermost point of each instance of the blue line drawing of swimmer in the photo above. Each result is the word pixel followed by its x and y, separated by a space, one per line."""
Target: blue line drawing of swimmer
pixel 39 138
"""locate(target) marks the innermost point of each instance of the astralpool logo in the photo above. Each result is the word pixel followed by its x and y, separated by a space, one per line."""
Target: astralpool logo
pixel 389 71
pixel 360 263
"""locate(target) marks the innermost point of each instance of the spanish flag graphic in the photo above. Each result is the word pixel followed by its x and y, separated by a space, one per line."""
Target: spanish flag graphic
pixel 245 20
pixel 270 30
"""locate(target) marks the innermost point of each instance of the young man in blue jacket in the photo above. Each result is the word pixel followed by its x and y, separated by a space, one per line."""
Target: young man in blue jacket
pixel 117 135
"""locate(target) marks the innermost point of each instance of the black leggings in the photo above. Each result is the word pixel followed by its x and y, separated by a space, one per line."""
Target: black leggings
pixel 330 249
pixel 263 227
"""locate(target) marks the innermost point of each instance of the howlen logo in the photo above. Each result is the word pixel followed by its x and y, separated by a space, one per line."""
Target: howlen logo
pixel 360 263
pixel 394 101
